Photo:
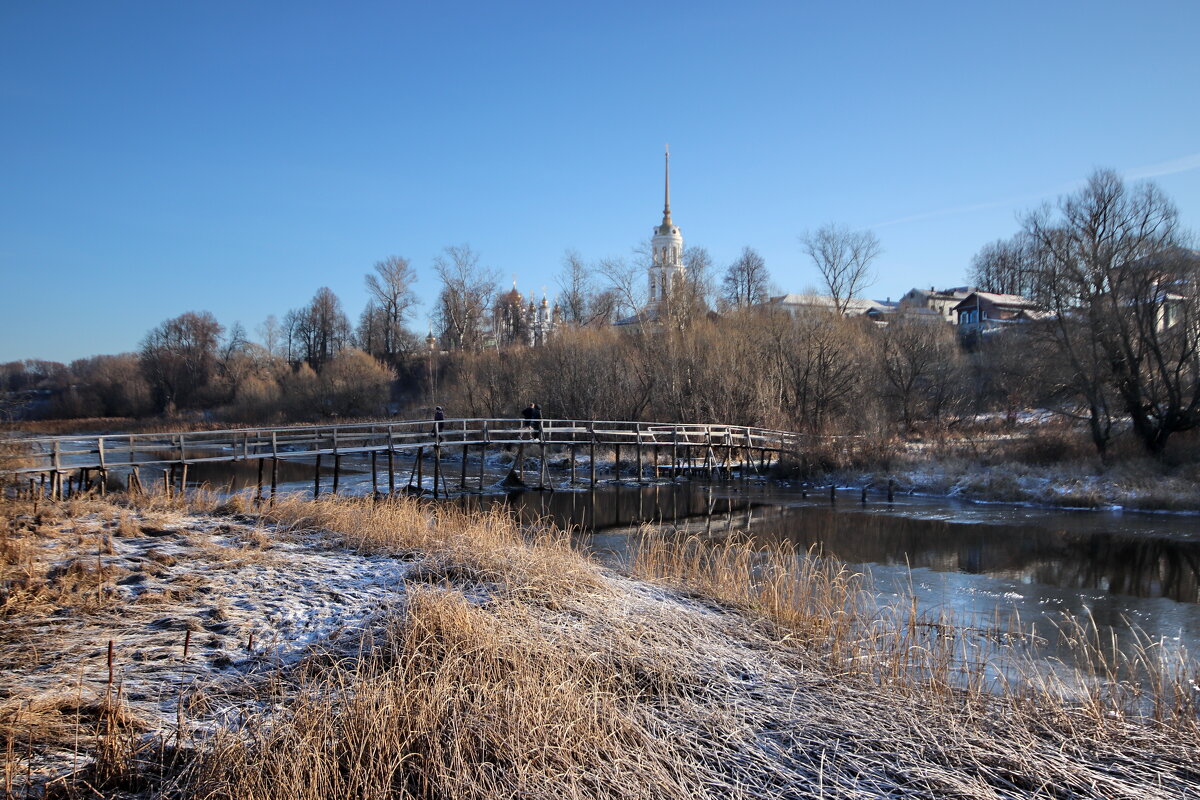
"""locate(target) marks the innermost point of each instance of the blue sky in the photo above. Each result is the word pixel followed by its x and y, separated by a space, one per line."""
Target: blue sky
pixel 157 158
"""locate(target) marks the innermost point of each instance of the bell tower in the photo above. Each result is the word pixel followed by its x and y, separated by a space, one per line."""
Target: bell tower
pixel 666 271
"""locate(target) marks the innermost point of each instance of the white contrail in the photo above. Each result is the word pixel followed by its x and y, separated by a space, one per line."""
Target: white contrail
pixel 1172 167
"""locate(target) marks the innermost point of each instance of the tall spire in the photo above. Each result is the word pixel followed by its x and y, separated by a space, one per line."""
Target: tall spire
pixel 667 192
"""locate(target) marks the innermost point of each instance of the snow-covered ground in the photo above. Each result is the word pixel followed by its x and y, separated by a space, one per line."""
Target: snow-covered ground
pixel 240 597
pixel 1065 485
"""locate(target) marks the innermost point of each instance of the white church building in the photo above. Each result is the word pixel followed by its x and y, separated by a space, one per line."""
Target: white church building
pixel 666 273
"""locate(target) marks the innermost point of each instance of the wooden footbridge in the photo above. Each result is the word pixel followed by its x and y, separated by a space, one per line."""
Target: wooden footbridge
pixel 57 466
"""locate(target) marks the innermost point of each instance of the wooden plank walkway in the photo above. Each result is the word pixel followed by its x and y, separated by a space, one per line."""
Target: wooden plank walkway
pixel 58 463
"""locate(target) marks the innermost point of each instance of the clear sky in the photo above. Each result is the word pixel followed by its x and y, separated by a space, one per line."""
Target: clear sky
pixel 161 157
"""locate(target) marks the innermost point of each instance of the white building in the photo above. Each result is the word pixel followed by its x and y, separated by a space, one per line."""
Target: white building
pixel 666 273
pixel 942 301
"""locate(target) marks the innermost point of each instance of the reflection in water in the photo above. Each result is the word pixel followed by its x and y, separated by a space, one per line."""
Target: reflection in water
pixel 1133 572
pixel 1107 562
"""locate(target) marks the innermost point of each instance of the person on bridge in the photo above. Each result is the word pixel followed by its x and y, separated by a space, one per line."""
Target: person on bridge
pixel 532 414
pixel 438 416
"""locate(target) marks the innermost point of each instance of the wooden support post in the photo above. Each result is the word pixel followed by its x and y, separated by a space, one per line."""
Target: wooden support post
pixel 833 493
pixel 374 473
pixel 617 461
pixel 391 459
pixel 391 470
pixel 542 462
pixel 337 462
pixel 462 475
pixel 56 483
pixel 864 495
pixel 638 447
pixel 183 480
pixel 274 464
pixel 317 479
pixel 483 453
pixel 592 445
pixel 167 482
pixel 437 464
pixel 891 489
pixel 674 453
pixel 103 468
pixel 258 490
pixel 656 458
pixel 420 468
pixel 572 457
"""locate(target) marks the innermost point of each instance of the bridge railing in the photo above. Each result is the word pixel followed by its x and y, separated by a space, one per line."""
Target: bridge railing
pixel 108 451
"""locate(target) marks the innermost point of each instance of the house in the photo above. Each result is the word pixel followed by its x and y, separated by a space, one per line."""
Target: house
pixel 941 301
pixel 984 312
pixel 796 304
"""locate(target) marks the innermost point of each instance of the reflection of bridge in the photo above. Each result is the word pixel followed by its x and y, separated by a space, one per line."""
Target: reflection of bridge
pixel 59 464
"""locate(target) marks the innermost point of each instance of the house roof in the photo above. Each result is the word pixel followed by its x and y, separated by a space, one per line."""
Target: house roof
pixel 854 306
pixel 1013 301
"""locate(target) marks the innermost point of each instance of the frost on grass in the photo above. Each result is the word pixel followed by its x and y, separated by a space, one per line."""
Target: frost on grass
pixel 407 651
pixel 241 597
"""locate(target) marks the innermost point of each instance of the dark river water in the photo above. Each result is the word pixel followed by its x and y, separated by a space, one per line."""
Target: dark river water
pixel 1134 573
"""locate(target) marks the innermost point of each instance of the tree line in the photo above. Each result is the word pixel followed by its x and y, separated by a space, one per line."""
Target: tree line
pixel 1116 345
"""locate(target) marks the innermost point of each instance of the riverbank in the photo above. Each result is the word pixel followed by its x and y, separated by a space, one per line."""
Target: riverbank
pixel 1135 485
pixel 446 654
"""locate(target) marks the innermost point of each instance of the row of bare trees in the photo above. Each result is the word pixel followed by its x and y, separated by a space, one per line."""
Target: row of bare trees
pixel 818 371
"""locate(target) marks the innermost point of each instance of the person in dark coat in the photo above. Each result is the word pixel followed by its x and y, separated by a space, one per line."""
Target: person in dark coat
pixel 438 416
pixel 531 414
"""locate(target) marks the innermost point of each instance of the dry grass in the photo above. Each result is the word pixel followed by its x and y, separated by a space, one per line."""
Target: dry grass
pixel 489 549
pixel 517 667
pixel 834 618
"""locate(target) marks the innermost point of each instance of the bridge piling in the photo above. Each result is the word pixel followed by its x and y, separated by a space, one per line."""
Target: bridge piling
pixel 483 454
pixel 437 465
pixel 592 445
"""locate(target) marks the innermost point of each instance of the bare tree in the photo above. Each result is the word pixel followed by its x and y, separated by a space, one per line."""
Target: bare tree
pixel 920 360
pixel 746 281
pixel 179 357
pixel 582 305
pixel 1122 294
pixel 390 289
pixel 698 266
pixel 467 290
pixel 270 333
pixel 1006 266
pixel 319 331
pixel 625 287
pixel 843 257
